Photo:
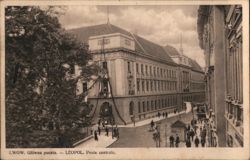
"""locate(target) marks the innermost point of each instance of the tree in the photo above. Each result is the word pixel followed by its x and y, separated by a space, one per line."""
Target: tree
pixel 40 86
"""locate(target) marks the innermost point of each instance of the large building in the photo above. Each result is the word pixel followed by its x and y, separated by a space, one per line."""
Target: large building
pixel 220 34
pixel 142 79
pixel 191 84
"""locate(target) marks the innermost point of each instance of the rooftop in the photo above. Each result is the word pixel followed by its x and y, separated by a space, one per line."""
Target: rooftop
pixel 142 46
pixel 178 124
pixel 171 50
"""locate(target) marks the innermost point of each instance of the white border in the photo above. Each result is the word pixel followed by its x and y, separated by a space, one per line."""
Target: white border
pixel 141 153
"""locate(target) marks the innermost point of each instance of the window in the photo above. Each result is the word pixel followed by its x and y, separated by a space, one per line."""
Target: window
pixel 147 85
pixel 154 72
pixel 142 85
pixel 155 104
pixel 148 107
pixel 104 65
pixel 155 86
pixel 129 68
pixel 159 87
pixel 143 106
pixel 129 86
pixel 137 68
pixel 150 70
pixel 146 69
pixel 152 105
pixel 161 72
pixel 138 85
pixel 151 85
pixel 139 107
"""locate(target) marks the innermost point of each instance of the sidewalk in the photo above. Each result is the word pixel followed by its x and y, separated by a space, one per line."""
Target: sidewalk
pixel 147 121
pixel 103 142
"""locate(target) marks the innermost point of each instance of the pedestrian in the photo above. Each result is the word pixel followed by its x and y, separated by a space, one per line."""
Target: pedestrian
pixel 215 141
pixel 188 143
pixel 99 130
pixel 107 131
pixel 192 134
pixel 203 141
pixel 195 129
pixel 196 141
pixel 177 141
pixel 103 125
pixel 159 114
pixel 188 135
pixel 96 137
pixel 99 122
pixel 166 114
pixel 171 139
pixel 152 125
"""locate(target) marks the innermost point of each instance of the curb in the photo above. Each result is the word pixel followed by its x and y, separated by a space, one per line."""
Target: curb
pixel 83 140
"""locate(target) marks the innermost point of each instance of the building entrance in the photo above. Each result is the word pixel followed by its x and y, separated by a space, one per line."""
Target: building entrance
pixel 106 114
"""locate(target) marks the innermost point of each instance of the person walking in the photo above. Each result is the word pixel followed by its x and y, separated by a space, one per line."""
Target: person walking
pixel 103 125
pixel 166 114
pixel 95 135
pixel 152 125
pixel 99 122
pixel 188 143
pixel 203 141
pixel 196 141
pixel 177 141
pixel 107 131
pixel 171 139
pixel 99 130
pixel 192 134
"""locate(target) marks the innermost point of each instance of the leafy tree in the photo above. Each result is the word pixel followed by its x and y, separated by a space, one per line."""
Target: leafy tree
pixel 40 85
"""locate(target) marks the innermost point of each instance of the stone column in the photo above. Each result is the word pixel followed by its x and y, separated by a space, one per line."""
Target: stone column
pixel 219 74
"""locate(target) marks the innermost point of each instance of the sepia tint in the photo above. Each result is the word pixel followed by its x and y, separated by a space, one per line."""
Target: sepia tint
pixel 123 76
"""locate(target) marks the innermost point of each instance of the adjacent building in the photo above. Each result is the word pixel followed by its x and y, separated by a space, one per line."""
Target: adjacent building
pixel 191 86
pixel 141 80
pixel 220 35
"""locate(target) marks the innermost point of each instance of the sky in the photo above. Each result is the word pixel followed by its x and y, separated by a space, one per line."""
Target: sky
pixel 163 25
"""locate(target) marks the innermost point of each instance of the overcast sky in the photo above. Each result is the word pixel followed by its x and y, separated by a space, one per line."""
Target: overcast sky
pixel 160 24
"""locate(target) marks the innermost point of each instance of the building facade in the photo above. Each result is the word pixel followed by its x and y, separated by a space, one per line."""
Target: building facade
pixel 142 79
pixel 220 34
pixel 191 86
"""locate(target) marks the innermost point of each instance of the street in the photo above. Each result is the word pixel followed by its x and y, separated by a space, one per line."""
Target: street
pixel 141 137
